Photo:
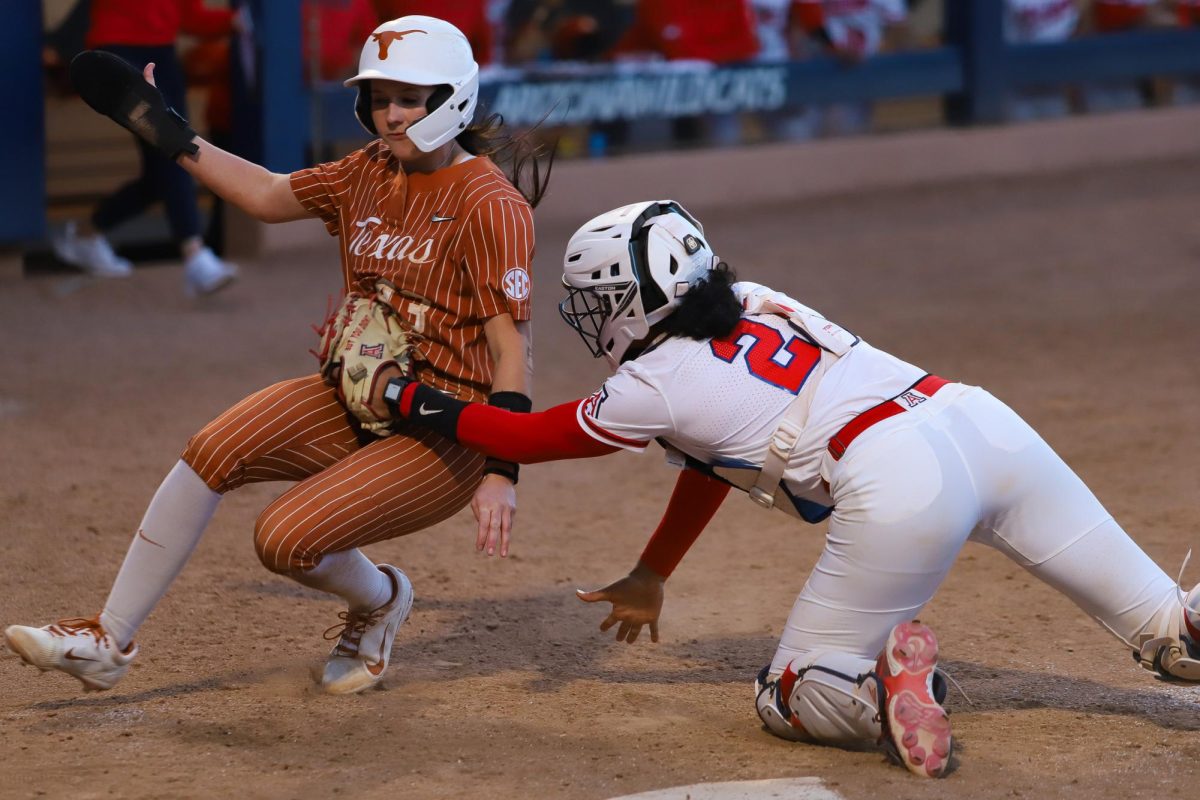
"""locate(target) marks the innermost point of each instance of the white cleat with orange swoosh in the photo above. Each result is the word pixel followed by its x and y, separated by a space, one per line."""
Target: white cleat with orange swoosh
pixel 364 646
pixel 79 647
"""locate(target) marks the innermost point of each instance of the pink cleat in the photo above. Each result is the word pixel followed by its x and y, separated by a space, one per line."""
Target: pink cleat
pixel 915 726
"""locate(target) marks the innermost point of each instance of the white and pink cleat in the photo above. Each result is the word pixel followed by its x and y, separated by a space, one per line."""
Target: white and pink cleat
pixel 914 724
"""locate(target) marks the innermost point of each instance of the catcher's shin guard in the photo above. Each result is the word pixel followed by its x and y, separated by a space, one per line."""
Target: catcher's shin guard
pixel 771 700
pixel 820 699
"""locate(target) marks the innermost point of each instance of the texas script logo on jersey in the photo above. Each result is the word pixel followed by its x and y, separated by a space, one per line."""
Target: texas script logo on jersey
pixel 371 242
pixel 385 38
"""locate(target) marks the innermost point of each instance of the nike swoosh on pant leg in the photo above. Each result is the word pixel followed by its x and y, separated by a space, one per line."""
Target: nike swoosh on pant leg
pixel 142 535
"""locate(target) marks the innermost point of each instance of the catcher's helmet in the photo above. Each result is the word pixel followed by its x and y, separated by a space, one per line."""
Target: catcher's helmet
pixel 423 51
pixel 629 268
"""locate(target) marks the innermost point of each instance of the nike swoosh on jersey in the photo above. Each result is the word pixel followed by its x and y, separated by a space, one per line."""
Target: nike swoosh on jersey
pixel 424 412
pixel 436 218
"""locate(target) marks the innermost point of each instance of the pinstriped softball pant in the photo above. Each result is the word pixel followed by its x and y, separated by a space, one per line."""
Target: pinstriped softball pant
pixel 347 494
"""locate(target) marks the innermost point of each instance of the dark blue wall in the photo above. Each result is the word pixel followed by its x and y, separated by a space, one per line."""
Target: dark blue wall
pixel 23 136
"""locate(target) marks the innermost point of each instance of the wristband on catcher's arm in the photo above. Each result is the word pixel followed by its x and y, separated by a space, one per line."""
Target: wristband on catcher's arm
pixel 117 89
pixel 412 400
pixel 510 401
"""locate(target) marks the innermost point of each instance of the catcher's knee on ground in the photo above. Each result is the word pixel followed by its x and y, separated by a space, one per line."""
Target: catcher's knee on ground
pixel 821 699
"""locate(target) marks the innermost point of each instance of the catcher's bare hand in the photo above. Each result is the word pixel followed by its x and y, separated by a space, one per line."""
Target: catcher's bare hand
pixel 495 506
pixel 636 601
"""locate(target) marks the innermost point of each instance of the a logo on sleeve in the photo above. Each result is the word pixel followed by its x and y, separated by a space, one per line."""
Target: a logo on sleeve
pixel 591 406
pixel 516 283
pixel 371 350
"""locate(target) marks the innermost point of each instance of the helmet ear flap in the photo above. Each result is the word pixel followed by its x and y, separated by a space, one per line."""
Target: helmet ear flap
pixel 440 95
pixel 362 107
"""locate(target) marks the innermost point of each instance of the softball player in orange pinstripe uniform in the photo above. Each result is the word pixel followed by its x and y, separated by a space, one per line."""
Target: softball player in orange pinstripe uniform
pixel 454 237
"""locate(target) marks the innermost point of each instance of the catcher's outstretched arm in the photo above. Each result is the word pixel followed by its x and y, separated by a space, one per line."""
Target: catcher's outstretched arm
pixel 549 435
pixel 693 503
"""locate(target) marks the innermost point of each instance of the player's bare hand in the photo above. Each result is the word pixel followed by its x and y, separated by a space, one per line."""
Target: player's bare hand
pixel 495 506
pixel 636 602
pixel 148 74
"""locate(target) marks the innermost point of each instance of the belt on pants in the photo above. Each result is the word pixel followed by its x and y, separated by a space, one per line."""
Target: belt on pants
pixel 911 397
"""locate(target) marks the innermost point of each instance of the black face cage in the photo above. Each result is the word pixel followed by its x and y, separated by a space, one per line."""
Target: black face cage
pixel 585 310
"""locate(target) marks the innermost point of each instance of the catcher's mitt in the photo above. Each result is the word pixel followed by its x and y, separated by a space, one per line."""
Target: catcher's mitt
pixel 359 342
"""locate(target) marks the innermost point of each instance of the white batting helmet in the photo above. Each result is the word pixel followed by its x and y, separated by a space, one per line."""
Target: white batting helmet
pixel 423 51
pixel 629 268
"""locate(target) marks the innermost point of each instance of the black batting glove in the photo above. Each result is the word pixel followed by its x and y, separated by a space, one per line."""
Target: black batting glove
pixel 116 89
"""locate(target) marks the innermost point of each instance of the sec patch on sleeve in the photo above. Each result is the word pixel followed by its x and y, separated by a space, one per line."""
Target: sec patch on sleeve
pixel 516 283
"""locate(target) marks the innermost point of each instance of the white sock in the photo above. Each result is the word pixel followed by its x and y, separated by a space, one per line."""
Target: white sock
pixel 351 576
pixel 174 522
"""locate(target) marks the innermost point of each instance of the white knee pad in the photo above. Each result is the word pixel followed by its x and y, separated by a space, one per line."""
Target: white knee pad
pixel 829 699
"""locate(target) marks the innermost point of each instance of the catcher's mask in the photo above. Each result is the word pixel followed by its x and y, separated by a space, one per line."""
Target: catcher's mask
pixel 629 268
pixel 423 51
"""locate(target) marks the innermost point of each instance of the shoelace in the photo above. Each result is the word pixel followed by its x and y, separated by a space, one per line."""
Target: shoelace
pixel 350 630
pixel 1179 579
pixel 77 625
pixel 956 685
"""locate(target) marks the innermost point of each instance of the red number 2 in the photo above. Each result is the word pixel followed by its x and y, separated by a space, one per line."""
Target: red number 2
pixel 763 356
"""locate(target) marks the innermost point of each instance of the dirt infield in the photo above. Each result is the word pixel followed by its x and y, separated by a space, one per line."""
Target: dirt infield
pixel 1073 297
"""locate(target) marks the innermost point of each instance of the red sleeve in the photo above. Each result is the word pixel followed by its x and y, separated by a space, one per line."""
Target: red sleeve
pixel 640 36
pixel 693 503
pixel 810 14
pixel 548 435
pixel 199 20
pixel 1117 16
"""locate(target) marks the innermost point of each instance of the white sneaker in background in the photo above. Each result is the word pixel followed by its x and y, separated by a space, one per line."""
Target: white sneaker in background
pixel 204 273
pixel 92 254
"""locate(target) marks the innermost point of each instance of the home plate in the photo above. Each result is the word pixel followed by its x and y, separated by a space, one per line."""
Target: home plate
pixel 771 789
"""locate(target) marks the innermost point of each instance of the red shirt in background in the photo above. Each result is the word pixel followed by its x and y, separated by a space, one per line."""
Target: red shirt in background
pixel 150 23
pixel 345 27
pixel 469 16
pixel 720 31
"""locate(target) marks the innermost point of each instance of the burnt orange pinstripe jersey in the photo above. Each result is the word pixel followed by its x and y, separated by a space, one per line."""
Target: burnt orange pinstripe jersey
pixel 457 243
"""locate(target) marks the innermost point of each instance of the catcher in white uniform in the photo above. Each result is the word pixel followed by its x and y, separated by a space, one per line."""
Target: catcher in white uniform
pixel 746 387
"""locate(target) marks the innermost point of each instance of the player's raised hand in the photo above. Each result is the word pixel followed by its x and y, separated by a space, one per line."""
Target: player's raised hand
pixel 636 601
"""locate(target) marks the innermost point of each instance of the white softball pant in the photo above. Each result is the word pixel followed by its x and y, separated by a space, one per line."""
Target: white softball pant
pixel 909 492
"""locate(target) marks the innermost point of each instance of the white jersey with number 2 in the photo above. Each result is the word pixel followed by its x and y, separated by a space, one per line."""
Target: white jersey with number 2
pixel 720 401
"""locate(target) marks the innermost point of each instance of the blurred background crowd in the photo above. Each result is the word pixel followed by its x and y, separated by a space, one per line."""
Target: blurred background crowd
pixel 532 35
pixel 515 38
